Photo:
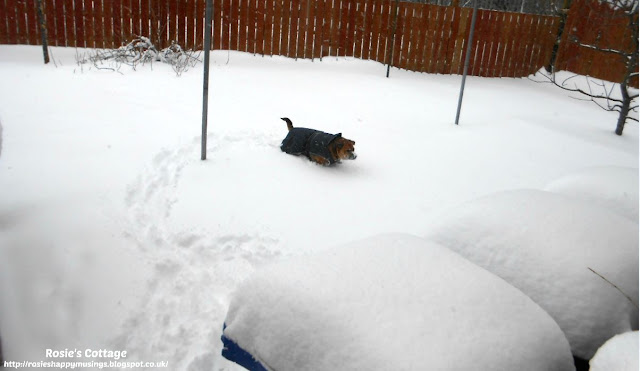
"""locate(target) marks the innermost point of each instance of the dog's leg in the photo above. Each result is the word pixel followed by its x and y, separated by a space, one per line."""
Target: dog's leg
pixel 319 160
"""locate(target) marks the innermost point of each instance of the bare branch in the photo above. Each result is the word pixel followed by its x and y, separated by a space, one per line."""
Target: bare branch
pixel 604 50
pixel 141 51
pixel 616 287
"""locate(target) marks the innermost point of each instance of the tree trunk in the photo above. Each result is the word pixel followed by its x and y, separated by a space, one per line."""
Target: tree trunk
pixel 624 109
pixel 632 66
pixel 551 67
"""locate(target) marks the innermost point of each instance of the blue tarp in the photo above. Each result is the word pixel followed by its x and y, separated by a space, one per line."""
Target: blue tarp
pixel 234 353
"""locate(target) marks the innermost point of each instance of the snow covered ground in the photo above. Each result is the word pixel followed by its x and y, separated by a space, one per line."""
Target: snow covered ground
pixel 549 245
pixel 113 233
pixel 620 353
pixel 391 302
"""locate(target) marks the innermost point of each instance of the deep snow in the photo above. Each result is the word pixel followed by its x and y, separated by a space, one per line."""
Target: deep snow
pixel 619 353
pixel 549 245
pixel 115 234
pixel 391 302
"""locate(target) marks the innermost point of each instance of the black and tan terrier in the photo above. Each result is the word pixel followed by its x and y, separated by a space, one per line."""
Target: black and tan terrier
pixel 320 147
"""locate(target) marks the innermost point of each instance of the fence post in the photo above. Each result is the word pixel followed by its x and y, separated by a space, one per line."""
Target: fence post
pixel 393 36
pixel 43 32
pixel 205 84
pixel 564 13
pixel 467 58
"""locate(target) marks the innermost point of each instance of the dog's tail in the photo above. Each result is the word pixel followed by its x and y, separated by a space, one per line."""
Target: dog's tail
pixel 289 123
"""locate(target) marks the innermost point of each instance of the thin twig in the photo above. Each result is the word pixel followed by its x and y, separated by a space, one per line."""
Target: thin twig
pixel 616 287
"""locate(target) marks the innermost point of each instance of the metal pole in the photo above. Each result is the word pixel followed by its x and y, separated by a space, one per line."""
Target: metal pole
pixel 43 32
pixel 205 84
pixel 467 58
pixel 393 36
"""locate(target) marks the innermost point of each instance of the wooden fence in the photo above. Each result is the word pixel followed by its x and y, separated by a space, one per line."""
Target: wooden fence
pixel 593 23
pixel 422 37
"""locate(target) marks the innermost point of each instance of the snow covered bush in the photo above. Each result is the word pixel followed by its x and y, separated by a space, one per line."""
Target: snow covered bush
pixel 391 302
pixel 547 245
pixel 615 188
pixel 619 353
pixel 140 51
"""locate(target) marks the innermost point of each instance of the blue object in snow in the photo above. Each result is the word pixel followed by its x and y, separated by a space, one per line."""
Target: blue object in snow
pixel 234 353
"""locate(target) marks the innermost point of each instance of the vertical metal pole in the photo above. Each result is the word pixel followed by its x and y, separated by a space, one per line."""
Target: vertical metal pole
pixel 205 84
pixel 393 36
pixel 467 58
pixel 43 32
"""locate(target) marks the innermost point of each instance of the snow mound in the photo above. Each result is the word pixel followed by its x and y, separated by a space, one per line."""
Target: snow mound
pixel 620 353
pixel 391 302
pixel 545 244
pixel 612 187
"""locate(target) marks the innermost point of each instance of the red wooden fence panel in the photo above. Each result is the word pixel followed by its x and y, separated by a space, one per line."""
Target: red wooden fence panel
pixel 303 28
pixel 358 26
pixel 234 12
pixel 33 32
pixel 326 27
pixel 246 43
pixel 260 24
pixel 125 17
pixel 319 29
pixel 21 22
pixel 293 29
pixel 216 19
pixel 226 24
pixel 4 30
pixel 457 63
pixel 367 20
pixel 190 19
pixel 286 24
pixel 145 18
pixel 268 27
pixel 277 28
pixel 199 8
pixel 384 37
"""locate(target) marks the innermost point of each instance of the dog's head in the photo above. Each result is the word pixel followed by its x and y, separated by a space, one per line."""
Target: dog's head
pixel 343 149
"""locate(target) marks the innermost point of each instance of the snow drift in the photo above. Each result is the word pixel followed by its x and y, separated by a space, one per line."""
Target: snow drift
pixel 114 234
pixel 612 187
pixel 545 244
pixel 391 302
pixel 620 353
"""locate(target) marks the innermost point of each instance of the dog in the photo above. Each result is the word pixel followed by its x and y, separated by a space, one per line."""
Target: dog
pixel 320 147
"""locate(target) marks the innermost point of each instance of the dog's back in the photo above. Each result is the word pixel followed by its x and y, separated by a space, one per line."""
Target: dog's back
pixel 296 141
pixel 320 147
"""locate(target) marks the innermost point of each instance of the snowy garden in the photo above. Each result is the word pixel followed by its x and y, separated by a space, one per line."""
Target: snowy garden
pixel 507 242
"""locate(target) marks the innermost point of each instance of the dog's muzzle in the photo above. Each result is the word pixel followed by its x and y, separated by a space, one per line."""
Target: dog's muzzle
pixel 352 156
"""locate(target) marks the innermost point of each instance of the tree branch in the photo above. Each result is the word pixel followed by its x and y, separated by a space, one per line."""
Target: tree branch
pixel 616 287
pixel 604 50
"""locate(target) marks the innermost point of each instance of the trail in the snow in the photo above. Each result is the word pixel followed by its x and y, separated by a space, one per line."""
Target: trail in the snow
pixel 193 271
